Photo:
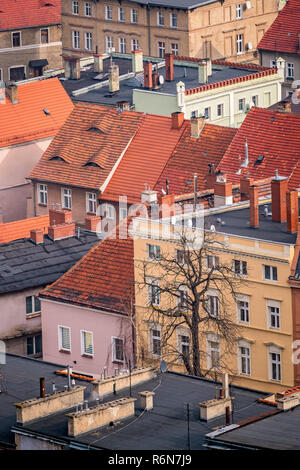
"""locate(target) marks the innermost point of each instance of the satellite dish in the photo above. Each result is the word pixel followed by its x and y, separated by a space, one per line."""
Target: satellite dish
pixel 161 80
pixel 163 366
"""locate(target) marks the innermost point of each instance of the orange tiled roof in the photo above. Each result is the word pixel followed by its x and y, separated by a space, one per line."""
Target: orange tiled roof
pixel 88 145
pixel 21 228
pixel 26 121
pixel 29 13
pixel 273 135
pixel 283 34
pixel 145 158
pixel 103 278
pixel 193 156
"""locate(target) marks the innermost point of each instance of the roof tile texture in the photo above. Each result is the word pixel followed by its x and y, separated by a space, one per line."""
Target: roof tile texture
pixel 27 13
pixel 21 228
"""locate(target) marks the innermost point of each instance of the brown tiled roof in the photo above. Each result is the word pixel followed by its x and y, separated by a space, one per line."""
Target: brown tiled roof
pixel 87 146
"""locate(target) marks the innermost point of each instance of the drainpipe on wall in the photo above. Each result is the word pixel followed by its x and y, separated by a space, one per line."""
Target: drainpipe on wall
pixel 149 30
pixel 34 199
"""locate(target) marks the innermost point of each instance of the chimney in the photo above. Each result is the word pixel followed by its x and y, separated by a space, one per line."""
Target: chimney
pixel 37 236
pixel 42 387
pixel 12 92
pixel 60 216
pixel 209 67
pixel 148 196
pixel 225 385
pixel 279 189
pixel 202 72
pixel 137 61
pixel 98 63
pixel 284 107
pixel 197 125
pixel 245 183
pixel 72 67
pixel 148 75
pixel 61 225
pixel 254 206
pixel 177 120
pixel 146 400
pixel 211 177
pixel 93 223
pixel 222 194
pixel 169 58
pixel 123 106
pixel 114 84
pixel 292 207
pixel 168 206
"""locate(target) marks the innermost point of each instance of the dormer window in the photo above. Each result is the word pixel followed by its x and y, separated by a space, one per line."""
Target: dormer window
pixel 95 129
pixel 58 158
pixel 92 164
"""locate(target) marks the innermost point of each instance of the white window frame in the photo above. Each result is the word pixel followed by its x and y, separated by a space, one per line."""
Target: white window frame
pixel 113 344
pixel 156 252
pixel 290 70
pixel 275 350
pixel 255 99
pixel 88 39
pixel 60 339
pixel 154 327
pixel 122 45
pixel 161 49
pixel 246 300
pixel 44 29
pixel 33 310
pixel 212 261
pixel 267 99
pixel 83 345
pixel 182 254
pixel 239 44
pixel 69 197
pixel 16 67
pixel 109 43
pixel 108 12
pixel 272 268
pixel 160 19
pixel 151 295
pixel 75 7
pixel 239 11
pixel 123 212
pixel 212 338
pixel 273 304
pixel 75 39
pixel 135 44
pixel 220 110
pixel 43 190
pixel 134 16
pixel 12 40
pixel 207 112
pixel 109 211
pixel 91 198
pixel 241 105
pixel 121 10
pixel 175 50
pixel 183 306
pixel 243 355
pixel 182 333
pixel 241 264
pixel 87 9
pixel 173 24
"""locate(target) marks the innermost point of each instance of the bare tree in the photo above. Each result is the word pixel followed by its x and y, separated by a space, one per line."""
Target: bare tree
pixel 179 288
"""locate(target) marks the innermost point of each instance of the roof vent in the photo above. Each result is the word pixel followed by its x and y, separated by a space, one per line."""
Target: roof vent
pixel 47 112
pixel 259 160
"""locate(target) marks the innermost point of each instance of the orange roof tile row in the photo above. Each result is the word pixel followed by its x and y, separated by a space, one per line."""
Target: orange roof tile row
pixel 223 63
pixel 283 34
pixel 29 13
pixel 21 228
pixel 26 120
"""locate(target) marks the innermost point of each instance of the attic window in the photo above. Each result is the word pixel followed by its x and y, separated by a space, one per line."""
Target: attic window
pixel 57 158
pixel 259 160
pixel 92 164
pixel 95 129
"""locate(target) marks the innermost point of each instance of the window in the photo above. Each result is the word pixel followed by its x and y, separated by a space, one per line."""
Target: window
pixel 44 36
pixel 160 18
pixel 108 13
pixel 213 354
pixel 75 39
pixel 275 365
pixel 87 9
pixel 239 43
pixel 67 198
pixel 212 261
pixel 64 338
pixel 122 45
pixel 290 70
pixel 270 273
pixel 34 345
pixel 121 14
pixel 75 8
pixel 33 304
pixel 109 43
pixel 273 313
pixel 161 49
pixel 117 349
pixel 122 213
pixel 135 45
pixel 182 299
pixel 267 99
pixel 184 344
pixel 194 114
pixel 153 292
pixel 155 340
pixel 255 100
pixel 243 310
pixel 154 252
pixel 91 200
pixel 109 211
pixel 213 305
pixel 244 360
pixel 220 110
pixel 87 343
pixel 239 12
pixel 173 20
pixel 16 39
pixel 88 41
pixel 182 256
pixel 207 113
pixel 240 267
pixel 134 16
pixel 17 73
pixel 242 103
pixel 43 196
pixel 174 48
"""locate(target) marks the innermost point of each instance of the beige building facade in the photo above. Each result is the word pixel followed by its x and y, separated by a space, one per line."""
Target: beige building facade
pixel 230 29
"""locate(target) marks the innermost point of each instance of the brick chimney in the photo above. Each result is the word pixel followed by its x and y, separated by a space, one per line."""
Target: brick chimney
pixel 202 71
pixel 222 194
pixel 93 223
pixel 98 63
pixel 37 236
pixel 148 75
pixel 60 216
pixel 72 67
pixel 137 61
pixel 245 183
pixel 123 106
pixel 254 206
pixel 114 83
pixel 279 189
pixel 61 225
pixel 168 206
pixel 211 177
pixel 197 125
pixel 12 92
pixel 292 207
pixel 169 58
pixel 177 120
pixel 284 106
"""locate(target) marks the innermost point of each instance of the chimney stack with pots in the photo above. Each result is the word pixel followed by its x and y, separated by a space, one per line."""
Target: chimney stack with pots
pixel 222 193
pixel 113 79
pixel 202 71
pixel 72 67
pixel 61 225
pixel 292 208
pixel 98 63
pixel 279 189
pixel 169 67
pixel 177 120
pixel 137 61
pixel 37 236
pixel 254 207
pixel 148 75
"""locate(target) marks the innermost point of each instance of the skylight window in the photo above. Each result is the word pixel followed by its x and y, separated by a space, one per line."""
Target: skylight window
pixel 259 160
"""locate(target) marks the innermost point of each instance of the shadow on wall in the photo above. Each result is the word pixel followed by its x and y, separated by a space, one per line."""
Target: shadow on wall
pixel 14 201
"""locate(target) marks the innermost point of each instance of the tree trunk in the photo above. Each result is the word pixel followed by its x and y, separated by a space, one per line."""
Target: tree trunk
pixel 195 341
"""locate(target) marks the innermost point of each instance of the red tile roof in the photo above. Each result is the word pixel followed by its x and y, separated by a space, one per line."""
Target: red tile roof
pixel 145 158
pixel 27 13
pixel 193 156
pixel 92 135
pixel 283 34
pixel 21 228
pixel 103 278
pixel 26 120
pixel 273 135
